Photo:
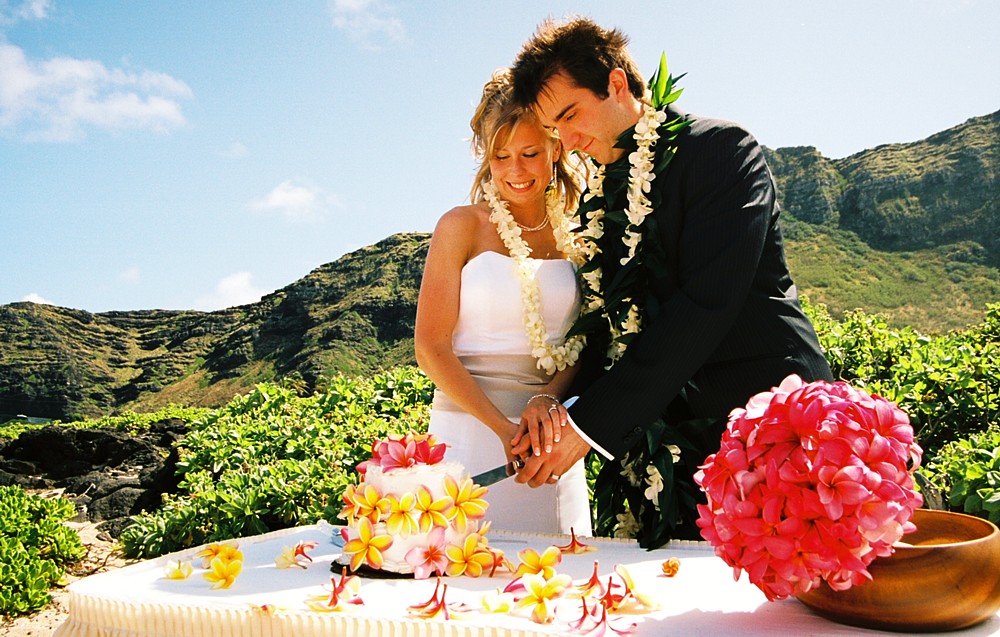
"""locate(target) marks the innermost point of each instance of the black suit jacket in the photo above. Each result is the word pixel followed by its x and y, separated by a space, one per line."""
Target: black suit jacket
pixel 727 322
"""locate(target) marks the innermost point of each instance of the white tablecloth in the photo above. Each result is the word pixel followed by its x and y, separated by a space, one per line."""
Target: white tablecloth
pixel 703 599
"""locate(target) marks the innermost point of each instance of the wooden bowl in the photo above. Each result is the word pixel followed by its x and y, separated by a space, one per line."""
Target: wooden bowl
pixel 946 576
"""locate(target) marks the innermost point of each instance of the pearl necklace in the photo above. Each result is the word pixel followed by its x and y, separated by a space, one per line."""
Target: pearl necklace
pixel 641 175
pixel 550 358
pixel 544 222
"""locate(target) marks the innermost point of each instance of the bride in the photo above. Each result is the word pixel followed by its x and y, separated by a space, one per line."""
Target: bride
pixel 497 296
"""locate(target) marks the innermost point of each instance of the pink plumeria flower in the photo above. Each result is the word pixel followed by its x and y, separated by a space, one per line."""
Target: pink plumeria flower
pixel 426 560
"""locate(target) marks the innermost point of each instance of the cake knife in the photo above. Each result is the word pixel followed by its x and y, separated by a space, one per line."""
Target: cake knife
pixel 497 474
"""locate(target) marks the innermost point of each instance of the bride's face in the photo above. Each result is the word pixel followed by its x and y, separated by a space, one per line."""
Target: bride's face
pixel 522 166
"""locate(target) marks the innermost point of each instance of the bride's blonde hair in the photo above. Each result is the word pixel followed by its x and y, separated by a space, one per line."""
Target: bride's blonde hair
pixel 497 112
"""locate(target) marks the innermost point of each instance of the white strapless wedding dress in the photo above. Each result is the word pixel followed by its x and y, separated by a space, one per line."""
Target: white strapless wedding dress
pixel 490 341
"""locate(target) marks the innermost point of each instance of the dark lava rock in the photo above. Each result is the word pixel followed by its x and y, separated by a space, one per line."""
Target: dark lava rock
pixel 109 475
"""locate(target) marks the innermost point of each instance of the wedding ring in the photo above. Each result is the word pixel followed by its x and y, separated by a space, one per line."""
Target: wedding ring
pixel 518 464
pixel 555 477
pixel 553 408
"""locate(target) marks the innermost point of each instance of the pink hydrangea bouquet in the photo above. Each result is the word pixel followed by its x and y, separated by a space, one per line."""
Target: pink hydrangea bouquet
pixel 812 482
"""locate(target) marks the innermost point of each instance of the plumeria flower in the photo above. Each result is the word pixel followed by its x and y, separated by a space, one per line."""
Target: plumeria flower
pixel 177 570
pixel 419 608
pixel 497 601
pixel 432 512
pixel 467 500
pixel 268 610
pixel 627 526
pixel 539 594
pixel 575 546
pixel 223 572
pixel 655 482
pixel 428 559
pixel 632 594
pixel 369 503
pixel 228 551
pixel 295 555
pixel 349 586
pixel 342 595
pixel 403 517
pixel 471 559
pixel 604 625
pixel 532 562
pixel 440 608
pixel 812 481
pixel 670 567
pixel 593 587
pixel 367 547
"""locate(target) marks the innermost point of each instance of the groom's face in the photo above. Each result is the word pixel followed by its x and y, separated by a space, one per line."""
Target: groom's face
pixel 587 122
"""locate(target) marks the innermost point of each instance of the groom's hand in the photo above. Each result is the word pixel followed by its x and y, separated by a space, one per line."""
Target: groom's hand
pixel 548 467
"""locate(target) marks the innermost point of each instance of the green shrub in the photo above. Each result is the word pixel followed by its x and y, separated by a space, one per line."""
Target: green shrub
pixel 948 384
pixel 271 459
pixel 35 548
pixel 968 472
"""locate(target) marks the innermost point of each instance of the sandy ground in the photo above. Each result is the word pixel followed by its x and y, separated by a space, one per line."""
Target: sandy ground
pixel 102 555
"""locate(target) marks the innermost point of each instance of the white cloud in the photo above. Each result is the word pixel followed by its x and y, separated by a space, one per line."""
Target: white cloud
pixel 367 22
pixel 27 10
pixel 59 98
pixel 235 289
pixel 296 201
pixel 34 297
pixel 130 275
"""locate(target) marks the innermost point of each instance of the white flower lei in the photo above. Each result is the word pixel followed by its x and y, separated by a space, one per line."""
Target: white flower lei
pixel 551 358
pixel 641 176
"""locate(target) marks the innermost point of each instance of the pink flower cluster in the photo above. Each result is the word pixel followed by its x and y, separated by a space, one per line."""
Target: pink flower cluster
pixel 398 452
pixel 811 482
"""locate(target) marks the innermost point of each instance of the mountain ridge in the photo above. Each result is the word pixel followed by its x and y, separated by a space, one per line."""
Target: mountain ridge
pixel 900 228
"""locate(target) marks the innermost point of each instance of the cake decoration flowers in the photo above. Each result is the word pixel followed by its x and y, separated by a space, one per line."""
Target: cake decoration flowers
pixel 432 512
pixel 812 481
pixel 467 500
pixel 367 547
pixel 428 559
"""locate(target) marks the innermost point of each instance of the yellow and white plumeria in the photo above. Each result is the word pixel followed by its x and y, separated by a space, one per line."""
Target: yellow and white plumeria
pixel 641 175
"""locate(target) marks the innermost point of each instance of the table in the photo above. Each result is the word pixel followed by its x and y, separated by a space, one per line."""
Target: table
pixel 702 599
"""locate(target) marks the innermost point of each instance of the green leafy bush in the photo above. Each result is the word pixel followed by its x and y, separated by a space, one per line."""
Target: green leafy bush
pixel 35 548
pixel 948 384
pixel 968 472
pixel 272 459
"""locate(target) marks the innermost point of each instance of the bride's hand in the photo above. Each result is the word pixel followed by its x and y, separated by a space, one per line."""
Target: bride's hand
pixel 542 419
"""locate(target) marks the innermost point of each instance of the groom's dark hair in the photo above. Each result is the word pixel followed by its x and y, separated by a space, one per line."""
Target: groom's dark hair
pixel 580 48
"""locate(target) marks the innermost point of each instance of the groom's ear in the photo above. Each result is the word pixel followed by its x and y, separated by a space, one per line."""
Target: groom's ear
pixel 617 82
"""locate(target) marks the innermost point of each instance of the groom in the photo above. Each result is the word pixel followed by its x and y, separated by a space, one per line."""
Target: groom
pixel 720 317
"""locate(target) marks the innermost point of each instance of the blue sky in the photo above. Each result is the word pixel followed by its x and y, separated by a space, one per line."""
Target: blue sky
pixel 197 155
